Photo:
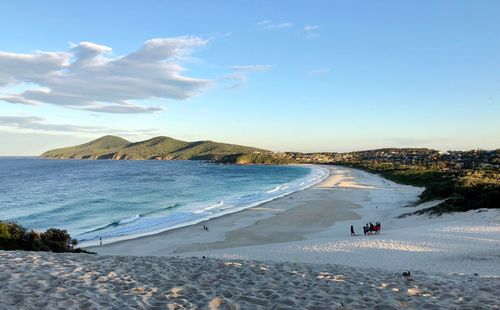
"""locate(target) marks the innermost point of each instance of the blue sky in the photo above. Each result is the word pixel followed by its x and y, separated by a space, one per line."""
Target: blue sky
pixel 281 75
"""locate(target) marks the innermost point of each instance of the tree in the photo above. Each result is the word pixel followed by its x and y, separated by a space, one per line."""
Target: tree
pixel 74 242
pixel 56 239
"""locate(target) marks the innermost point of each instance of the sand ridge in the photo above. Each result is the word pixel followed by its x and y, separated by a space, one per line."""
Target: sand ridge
pixel 46 280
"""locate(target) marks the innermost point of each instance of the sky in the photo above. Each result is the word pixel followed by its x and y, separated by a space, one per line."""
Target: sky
pixel 280 75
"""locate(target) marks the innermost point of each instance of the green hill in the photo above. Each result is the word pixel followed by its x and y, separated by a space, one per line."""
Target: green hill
pixel 161 148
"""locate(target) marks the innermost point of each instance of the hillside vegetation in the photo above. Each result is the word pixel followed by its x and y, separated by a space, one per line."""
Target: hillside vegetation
pixel 463 189
pixel 15 237
pixel 256 158
pixel 160 148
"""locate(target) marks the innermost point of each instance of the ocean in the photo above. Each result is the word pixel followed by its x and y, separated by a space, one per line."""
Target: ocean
pixel 117 200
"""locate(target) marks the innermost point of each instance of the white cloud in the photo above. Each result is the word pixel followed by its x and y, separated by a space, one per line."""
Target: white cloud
pixel 267 24
pixel 311 31
pixel 38 124
pixel 88 77
pixel 310 27
pixel 252 68
pixel 240 74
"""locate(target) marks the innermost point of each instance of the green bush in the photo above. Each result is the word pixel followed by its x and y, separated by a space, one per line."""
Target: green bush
pixel 463 189
pixel 4 231
pixel 57 240
pixel 15 237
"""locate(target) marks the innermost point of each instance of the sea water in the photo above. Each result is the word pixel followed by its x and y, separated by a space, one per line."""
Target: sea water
pixel 121 199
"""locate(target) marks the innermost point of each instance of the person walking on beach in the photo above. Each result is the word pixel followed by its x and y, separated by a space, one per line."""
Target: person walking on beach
pixel 352 231
pixel 100 240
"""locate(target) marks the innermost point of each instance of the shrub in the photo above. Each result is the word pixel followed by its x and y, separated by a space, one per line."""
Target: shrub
pixel 4 231
pixel 15 237
pixel 57 240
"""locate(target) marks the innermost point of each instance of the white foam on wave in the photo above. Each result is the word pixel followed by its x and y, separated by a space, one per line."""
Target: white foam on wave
pixel 130 219
pixel 214 206
pixel 277 188
pixel 149 226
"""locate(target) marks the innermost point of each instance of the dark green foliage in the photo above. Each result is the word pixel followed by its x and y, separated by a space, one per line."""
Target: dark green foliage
pixel 438 184
pixel 56 240
pixel 33 241
pixel 463 189
pixel 15 237
pixel 78 250
pixel 160 148
pixel 261 158
pixel 91 150
pixel 12 235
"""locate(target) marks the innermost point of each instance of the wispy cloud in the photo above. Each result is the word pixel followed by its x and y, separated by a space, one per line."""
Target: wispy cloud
pixel 318 71
pixel 240 74
pixel 38 124
pixel 88 77
pixel 267 24
pixel 310 31
pixel 252 68
pixel 310 27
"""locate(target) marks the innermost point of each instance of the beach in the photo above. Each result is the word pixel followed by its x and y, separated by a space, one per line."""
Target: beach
pixel 295 252
pixel 313 225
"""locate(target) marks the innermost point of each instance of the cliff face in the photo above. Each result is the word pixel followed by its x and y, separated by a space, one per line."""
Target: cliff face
pixel 158 148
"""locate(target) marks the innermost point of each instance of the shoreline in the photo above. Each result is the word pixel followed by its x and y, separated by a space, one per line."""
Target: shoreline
pixel 219 227
pixel 256 225
pixel 312 225
pixel 203 220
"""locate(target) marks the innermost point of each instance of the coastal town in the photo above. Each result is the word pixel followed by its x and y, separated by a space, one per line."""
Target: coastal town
pixel 442 160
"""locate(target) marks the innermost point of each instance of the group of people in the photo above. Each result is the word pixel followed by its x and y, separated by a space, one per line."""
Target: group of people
pixel 205 227
pixel 368 229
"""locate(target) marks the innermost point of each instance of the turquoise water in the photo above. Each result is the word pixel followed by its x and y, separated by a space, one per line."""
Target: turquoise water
pixel 121 199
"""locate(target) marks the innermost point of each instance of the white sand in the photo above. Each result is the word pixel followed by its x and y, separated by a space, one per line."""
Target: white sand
pixel 50 281
pixel 461 243
pixel 313 226
pixel 454 259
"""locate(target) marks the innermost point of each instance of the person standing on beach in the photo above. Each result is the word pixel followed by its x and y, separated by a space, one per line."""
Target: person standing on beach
pixel 352 231
pixel 100 240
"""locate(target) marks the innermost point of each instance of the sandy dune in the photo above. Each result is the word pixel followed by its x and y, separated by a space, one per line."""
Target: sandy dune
pixel 50 281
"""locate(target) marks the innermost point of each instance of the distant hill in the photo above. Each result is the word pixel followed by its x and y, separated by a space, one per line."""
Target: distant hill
pixel 160 148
